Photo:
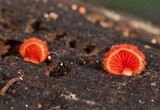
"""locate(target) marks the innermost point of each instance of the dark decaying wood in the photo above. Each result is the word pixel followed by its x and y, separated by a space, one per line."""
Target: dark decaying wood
pixel 73 77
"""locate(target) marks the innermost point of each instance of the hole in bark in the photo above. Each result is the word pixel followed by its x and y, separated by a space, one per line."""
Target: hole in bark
pixel 89 49
pixel 57 70
pixel 60 35
pixel 36 26
pixel 14 48
pixel 72 44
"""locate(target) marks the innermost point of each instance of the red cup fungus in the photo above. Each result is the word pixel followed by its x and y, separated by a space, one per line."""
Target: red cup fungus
pixel 34 50
pixel 124 60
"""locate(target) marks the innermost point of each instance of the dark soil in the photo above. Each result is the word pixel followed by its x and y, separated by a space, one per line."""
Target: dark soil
pixel 74 77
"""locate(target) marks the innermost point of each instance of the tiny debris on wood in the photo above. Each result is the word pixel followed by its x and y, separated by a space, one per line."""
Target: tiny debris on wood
pixel 51 15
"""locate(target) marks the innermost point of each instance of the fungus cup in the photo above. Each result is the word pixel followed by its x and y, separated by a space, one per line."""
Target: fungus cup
pixel 34 50
pixel 124 60
pixel 82 10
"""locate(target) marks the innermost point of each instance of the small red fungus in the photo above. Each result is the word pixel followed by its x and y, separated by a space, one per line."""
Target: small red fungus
pixel 82 10
pixel 34 50
pixel 124 60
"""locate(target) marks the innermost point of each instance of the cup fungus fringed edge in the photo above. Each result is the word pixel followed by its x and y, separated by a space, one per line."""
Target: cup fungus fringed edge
pixel 124 59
